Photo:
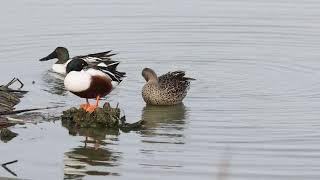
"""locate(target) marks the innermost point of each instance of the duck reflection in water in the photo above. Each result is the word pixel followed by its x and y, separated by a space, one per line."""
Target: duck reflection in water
pixel 93 158
pixel 164 121
pixel 54 83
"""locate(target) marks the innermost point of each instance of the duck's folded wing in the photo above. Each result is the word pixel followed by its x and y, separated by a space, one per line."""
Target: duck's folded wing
pixel 101 56
pixel 95 59
pixel 111 70
pixel 174 81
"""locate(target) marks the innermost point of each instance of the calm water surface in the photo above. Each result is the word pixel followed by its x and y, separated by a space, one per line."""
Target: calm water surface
pixel 253 112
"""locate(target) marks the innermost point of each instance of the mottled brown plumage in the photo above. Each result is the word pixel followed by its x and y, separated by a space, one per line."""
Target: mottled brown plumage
pixel 169 89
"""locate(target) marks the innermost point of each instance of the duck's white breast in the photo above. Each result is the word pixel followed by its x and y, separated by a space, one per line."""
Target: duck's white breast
pixel 60 68
pixel 77 81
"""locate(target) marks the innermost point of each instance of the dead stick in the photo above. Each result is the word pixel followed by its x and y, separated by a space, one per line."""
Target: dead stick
pixel 11 82
pixel 4 165
pixel 7 163
pixel 26 110
pixel 13 90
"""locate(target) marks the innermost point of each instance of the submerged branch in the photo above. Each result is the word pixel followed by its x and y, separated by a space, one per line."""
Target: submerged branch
pixel 4 165
pixel 27 110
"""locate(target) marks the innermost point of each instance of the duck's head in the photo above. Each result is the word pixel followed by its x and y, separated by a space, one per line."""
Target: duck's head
pixel 149 74
pixel 76 65
pixel 61 53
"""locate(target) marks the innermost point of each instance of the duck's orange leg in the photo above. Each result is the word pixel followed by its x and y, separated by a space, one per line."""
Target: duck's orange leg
pixel 85 106
pixel 92 107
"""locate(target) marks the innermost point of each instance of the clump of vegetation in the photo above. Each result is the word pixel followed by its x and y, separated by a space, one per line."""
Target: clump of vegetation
pixel 106 117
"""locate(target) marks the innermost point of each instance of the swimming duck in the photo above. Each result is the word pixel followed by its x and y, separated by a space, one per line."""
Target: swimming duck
pixel 62 54
pixel 168 89
pixel 91 81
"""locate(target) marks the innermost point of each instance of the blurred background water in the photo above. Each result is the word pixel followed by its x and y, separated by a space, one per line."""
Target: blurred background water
pixel 252 113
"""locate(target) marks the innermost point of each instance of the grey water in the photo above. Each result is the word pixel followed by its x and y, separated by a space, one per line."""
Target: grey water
pixel 253 112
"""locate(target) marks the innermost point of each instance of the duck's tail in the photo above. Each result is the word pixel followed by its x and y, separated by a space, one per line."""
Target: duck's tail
pixel 175 82
pixel 180 75
pixel 110 69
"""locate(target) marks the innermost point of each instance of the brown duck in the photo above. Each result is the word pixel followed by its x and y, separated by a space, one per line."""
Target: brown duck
pixel 168 89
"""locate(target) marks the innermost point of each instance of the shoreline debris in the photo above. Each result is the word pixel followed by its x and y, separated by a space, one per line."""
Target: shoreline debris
pixel 10 97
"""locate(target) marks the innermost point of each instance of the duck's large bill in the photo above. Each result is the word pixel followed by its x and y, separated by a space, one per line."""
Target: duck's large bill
pixel 50 56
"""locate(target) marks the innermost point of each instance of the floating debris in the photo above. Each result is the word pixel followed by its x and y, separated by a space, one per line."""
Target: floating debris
pixel 6 135
pixel 106 117
pixel 10 97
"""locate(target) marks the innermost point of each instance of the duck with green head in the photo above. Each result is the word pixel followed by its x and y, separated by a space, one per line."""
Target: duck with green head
pixel 91 82
pixel 89 76
pixel 62 54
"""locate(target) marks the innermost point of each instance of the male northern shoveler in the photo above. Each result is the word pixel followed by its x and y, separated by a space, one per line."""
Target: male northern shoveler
pixel 168 89
pixel 88 81
pixel 62 54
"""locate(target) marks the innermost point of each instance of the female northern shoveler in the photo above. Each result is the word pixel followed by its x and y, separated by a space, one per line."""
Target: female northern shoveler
pixel 168 89
pixel 87 81
pixel 62 54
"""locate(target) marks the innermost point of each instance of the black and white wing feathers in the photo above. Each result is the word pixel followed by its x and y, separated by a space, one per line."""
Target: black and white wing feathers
pixel 103 62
